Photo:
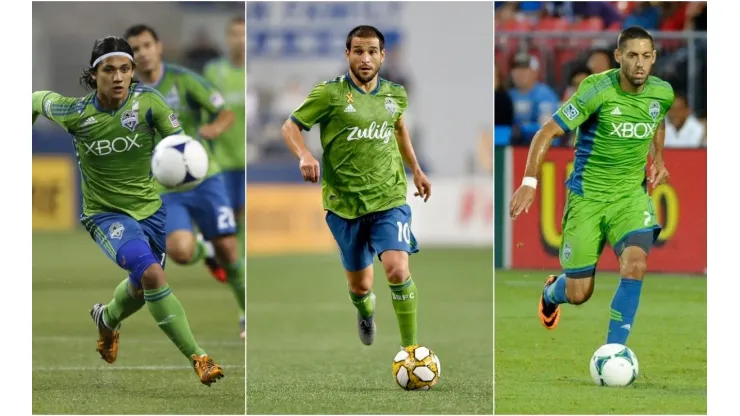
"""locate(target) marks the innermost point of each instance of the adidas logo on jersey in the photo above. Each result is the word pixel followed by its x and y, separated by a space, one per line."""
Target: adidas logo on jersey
pixel 616 112
pixel 626 326
pixel 89 122
pixel 349 109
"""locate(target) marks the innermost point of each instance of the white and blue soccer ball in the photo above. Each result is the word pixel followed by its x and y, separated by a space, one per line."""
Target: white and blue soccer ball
pixel 416 368
pixel 614 365
pixel 179 160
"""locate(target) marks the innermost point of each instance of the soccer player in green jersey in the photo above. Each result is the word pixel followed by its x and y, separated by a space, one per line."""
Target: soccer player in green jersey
pixel 228 75
pixel 208 205
pixel 113 131
pixel 619 117
pixel 363 182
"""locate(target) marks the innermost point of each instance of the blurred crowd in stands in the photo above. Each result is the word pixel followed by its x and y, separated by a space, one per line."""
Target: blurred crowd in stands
pixel 545 49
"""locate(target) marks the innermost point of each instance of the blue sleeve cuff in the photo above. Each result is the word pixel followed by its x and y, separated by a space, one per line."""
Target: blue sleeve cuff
pixel 299 123
pixel 560 122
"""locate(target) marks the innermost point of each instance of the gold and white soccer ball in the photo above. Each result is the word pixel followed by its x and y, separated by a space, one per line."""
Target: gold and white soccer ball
pixel 416 368
pixel 179 160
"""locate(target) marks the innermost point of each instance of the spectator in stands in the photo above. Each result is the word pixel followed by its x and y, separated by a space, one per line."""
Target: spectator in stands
pixel 606 11
pixel 682 128
pixel 600 60
pixel 644 15
pixel 696 16
pixel 534 102
pixel 577 75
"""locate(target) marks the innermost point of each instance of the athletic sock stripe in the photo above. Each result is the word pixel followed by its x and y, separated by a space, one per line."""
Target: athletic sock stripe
pixel 158 296
pixel 400 287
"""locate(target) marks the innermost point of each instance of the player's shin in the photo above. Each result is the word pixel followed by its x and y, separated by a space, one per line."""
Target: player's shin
pixel 199 252
pixel 555 292
pixel 124 304
pixel 363 303
pixel 236 280
pixel 167 310
pixel 623 310
pixel 405 300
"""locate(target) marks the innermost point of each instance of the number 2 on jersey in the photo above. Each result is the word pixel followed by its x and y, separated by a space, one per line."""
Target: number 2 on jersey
pixel 226 218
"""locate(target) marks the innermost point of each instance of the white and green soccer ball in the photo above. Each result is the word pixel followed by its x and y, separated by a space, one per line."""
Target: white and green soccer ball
pixel 416 368
pixel 614 365
pixel 179 160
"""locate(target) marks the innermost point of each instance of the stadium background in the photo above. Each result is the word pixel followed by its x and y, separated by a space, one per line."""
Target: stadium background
pixel 559 40
pixel 298 309
pixel 70 273
pixel 539 371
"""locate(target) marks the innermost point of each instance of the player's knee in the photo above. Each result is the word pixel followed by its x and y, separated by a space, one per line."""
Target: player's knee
pixel 153 277
pixel 634 268
pixel 180 247
pixel 136 257
pixel 396 269
pixel 226 249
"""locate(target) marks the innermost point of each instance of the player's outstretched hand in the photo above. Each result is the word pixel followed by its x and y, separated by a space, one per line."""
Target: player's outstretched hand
pixel 309 168
pixel 209 131
pixel 521 201
pixel 423 186
pixel 658 173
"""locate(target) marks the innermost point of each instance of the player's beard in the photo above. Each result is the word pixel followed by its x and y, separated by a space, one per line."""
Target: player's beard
pixel 363 79
pixel 636 82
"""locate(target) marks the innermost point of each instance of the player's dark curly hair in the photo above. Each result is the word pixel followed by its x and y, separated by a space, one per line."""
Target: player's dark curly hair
pixel 365 31
pixel 101 47
pixel 634 32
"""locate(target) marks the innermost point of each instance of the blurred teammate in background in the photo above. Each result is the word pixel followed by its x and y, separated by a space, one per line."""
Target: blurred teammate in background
pixel 207 205
pixel 114 133
pixel 619 114
pixel 366 143
pixel 228 75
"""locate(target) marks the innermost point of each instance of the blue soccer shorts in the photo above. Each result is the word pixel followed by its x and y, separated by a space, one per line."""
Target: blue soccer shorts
pixel 207 205
pixel 111 231
pixel 361 238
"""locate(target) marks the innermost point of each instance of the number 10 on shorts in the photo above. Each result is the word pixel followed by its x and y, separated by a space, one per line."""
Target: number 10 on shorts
pixel 404 232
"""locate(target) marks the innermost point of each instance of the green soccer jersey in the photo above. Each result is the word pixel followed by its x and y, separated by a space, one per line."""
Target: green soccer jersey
pixel 193 98
pixel 362 168
pixel 615 130
pixel 114 148
pixel 229 148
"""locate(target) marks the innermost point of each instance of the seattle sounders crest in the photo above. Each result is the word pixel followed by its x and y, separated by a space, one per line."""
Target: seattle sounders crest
pixel 654 110
pixel 130 119
pixel 390 105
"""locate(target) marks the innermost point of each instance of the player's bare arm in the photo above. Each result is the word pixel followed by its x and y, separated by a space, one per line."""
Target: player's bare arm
pixel 223 122
pixel 423 187
pixel 294 140
pixel 524 196
pixel 658 172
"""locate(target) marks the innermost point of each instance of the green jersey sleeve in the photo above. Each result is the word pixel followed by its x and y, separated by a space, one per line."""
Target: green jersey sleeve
pixel 580 106
pixel 314 108
pixel 205 94
pixel 57 108
pixel 403 102
pixel 163 117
